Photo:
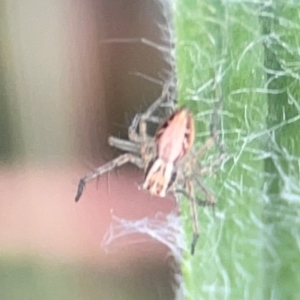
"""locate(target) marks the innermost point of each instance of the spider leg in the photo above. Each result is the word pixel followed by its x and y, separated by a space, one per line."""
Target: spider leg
pixel 199 201
pixel 124 145
pixel 213 139
pixel 137 131
pixel 209 199
pixel 214 125
pixel 133 129
pixel 117 162
pixel 148 114
pixel 141 136
pixel 157 103
pixel 193 210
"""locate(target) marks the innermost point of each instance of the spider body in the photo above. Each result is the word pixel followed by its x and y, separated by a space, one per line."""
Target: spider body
pixel 173 140
pixel 167 159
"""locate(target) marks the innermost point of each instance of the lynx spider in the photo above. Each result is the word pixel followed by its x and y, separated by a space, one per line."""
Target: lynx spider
pixel 140 150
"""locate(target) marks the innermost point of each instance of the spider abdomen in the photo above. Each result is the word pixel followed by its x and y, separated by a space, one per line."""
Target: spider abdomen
pixel 175 137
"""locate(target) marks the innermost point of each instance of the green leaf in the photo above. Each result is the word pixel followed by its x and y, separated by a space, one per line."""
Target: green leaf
pixel 250 250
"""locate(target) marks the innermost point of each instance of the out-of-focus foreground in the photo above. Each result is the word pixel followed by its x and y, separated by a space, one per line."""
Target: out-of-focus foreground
pixel 63 92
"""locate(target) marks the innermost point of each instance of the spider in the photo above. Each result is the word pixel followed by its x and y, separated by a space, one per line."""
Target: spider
pixel 167 158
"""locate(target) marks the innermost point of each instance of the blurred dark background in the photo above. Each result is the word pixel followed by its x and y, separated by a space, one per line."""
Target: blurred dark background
pixel 64 89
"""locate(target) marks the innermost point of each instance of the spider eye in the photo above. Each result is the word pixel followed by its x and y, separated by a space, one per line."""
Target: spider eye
pixel 172 179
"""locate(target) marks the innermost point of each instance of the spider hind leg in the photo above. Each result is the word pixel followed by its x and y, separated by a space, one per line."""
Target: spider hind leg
pixel 115 163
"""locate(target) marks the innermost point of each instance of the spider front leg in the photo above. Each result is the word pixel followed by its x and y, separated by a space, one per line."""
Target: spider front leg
pixel 138 129
pixel 148 115
pixel 213 138
pixel 117 162
pixel 133 134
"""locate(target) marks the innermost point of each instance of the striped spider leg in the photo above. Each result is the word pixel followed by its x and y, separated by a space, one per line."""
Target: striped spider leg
pixel 139 147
